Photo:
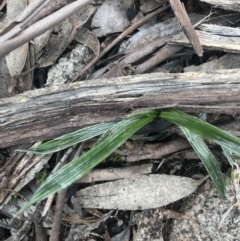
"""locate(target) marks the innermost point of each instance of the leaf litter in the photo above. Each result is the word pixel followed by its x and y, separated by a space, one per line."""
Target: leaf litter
pixel 59 53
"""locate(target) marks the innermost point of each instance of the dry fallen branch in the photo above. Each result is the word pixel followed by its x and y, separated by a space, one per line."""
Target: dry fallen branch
pixel 18 35
pixel 50 112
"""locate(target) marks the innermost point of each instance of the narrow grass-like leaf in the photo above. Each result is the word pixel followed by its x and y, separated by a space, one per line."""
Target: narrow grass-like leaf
pixel 71 139
pixel 207 159
pixel 74 170
pixel 228 155
pixel 202 128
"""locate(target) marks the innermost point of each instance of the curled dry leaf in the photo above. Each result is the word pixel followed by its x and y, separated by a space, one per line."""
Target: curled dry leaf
pixel 143 192
pixel 88 38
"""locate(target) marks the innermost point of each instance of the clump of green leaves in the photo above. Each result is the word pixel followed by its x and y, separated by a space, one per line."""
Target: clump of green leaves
pixel 114 134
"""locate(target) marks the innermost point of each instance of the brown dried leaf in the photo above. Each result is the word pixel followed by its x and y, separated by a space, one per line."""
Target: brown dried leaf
pixel 16 60
pixel 88 38
pixel 143 192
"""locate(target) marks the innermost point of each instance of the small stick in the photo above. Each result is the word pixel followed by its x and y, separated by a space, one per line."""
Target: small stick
pixel 186 25
pixel 119 38
pixel 8 44
pixel 58 216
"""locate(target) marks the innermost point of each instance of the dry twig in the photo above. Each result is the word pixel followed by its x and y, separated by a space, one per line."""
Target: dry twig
pixel 119 38
pixel 18 36
pixel 186 25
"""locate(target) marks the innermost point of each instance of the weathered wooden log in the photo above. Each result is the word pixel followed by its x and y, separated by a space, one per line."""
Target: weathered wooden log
pixel 46 113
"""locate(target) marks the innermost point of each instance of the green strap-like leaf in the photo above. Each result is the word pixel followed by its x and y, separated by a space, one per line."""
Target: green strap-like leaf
pixel 70 173
pixel 203 129
pixel 71 139
pixel 228 155
pixel 208 160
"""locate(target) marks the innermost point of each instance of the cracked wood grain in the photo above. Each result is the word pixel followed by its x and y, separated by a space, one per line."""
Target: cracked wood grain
pixel 47 113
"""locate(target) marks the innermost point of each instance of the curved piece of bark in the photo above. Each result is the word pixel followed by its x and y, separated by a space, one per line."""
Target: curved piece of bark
pixel 47 113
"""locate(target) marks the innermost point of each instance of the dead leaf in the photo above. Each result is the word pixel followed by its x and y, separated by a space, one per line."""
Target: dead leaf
pixel 61 36
pixel 16 60
pixel 113 173
pixel 40 42
pixel 111 17
pixel 149 5
pixel 14 8
pixel 26 78
pixel 88 38
pixel 143 192
pixel 84 13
